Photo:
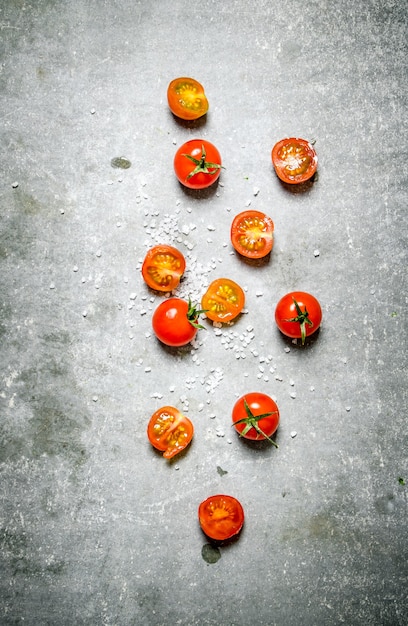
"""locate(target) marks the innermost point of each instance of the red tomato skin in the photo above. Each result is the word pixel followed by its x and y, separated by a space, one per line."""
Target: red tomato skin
pixel 307 161
pixel 183 166
pixel 217 525
pixel 286 310
pixel 259 403
pixel 170 323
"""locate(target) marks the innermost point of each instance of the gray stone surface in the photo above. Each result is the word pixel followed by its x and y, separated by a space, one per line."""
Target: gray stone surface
pixel 96 528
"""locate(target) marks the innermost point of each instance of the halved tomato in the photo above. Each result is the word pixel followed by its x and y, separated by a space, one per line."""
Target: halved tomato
pixel 169 431
pixel 221 517
pixel 294 160
pixel 223 300
pixel 186 98
pixel 252 234
pixel 163 267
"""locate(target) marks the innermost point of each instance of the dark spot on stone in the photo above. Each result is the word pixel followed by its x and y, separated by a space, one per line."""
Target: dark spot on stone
pixel 121 163
pixel 221 471
pixel 210 553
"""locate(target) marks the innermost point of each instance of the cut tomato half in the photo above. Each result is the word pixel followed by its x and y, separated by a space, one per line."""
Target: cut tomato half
pixel 169 431
pixel 186 98
pixel 294 160
pixel 163 267
pixel 223 300
pixel 221 517
pixel 252 234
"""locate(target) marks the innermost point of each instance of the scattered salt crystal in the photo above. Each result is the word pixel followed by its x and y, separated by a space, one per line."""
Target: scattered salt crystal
pixel 279 378
pixel 14 185
pixel 95 398
pixel 92 111
pixel 98 253
pixel 316 253
pixel 287 349
pixel 75 268
pixel 348 408
pixel 293 395
pixel 256 191
pixel 52 285
pixel 84 313
pixel 133 296
pixel 312 388
pixel 293 434
pixel 172 388
pixel 259 293
pixel 148 369
pixel 291 382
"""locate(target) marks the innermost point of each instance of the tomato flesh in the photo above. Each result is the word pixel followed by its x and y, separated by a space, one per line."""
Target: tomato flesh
pixel 294 160
pixel 298 314
pixel 174 322
pixel 252 234
pixel 256 416
pixel 221 517
pixel 197 164
pixel 169 431
pixel 186 98
pixel 163 267
pixel 223 300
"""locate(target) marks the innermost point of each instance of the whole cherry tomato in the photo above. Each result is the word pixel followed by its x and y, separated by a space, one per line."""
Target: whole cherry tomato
pixel 256 416
pixel 298 315
pixel 175 322
pixel 294 160
pixel 186 98
pixel 252 234
pixel 197 164
pixel 223 300
pixel 163 267
pixel 169 431
pixel 221 517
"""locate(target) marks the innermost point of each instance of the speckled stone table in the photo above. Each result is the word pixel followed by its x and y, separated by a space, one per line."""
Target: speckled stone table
pixel 96 527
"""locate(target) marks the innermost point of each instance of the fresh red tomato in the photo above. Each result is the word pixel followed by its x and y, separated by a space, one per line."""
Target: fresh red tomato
pixel 186 98
pixel 163 267
pixel 221 517
pixel 197 164
pixel 252 234
pixel 223 300
pixel 294 160
pixel 169 431
pixel 298 315
pixel 256 416
pixel 175 322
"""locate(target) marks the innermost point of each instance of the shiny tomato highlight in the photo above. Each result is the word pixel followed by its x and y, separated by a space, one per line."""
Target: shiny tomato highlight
pixel 187 99
pixel 298 314
pixel 169 431
pixel 163 267
pixel 252 234
pixel 256 416
pixel 221 517
pixel 223 300
pixel 294 160
pixel 197 164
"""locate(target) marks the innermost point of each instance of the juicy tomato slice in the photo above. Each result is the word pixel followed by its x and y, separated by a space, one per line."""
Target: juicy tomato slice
pixel 221 517
pixel 252 234
pixel 298 314
pixel 197 164
pixel 186 98
pixel 223 300
pixel 163 267
pixel 256 416
pixel 294 160
pixel 169 431
pixel 175 322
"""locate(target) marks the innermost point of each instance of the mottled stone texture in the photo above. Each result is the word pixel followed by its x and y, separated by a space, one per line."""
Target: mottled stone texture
pixel 96 527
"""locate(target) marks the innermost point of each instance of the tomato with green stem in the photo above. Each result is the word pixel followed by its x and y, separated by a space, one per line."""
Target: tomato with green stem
pixel 176 322
pixel 255 416
pixel 252 234
pixel 169 431
pixel 186 98
pixel 163 267
pixel 223 301
pixel 221 517
pixel 294 160
pixel 197 164
pixel 298 315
